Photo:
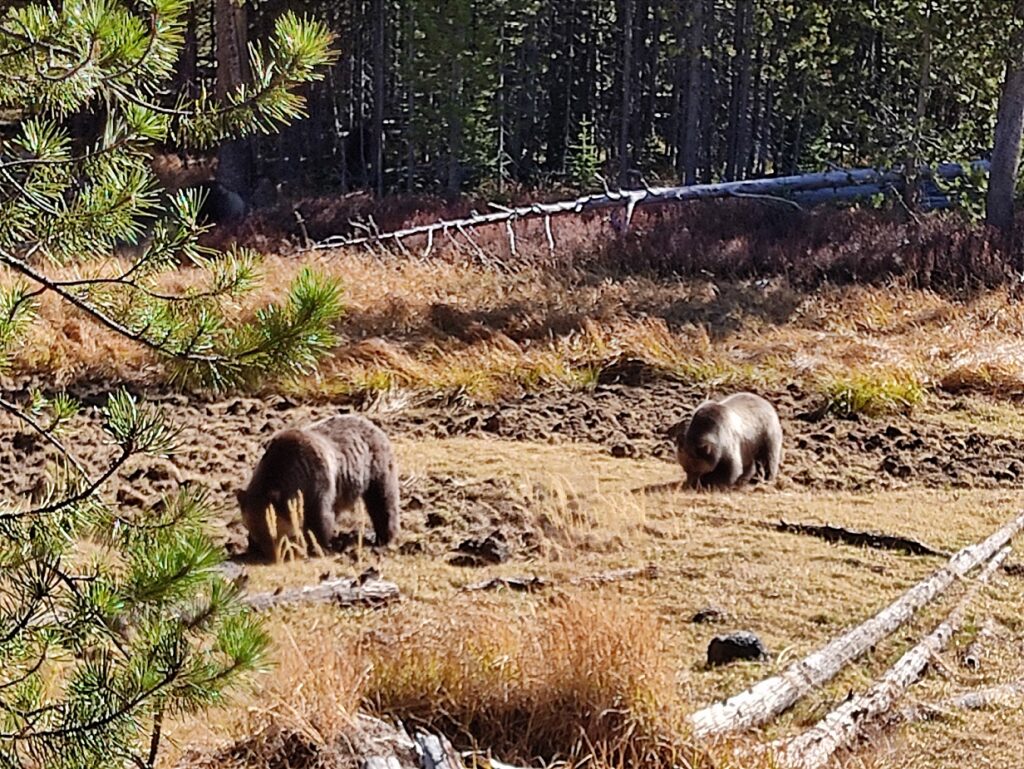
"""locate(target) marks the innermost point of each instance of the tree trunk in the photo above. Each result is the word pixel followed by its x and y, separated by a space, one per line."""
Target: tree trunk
pixel 378 20
pixel 695 55
pixel 234 159
pixel 1007 142
pixel 627 91
pixel 765 700
pixel 841 728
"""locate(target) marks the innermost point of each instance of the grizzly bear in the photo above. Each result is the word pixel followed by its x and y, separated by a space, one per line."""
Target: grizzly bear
pixel 726 442
pixel 331 464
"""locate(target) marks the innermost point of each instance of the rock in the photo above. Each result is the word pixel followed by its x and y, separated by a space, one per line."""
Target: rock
pixel 620 450
pixel 742 645
pixel 479 552
pixel 709 614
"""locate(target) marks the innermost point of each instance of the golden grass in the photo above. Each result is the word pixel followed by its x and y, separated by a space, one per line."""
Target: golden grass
pixel 439 326
pixel 493 669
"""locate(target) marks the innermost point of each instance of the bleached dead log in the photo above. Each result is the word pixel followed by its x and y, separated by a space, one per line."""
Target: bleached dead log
pixel 772 696
pixel 843 726
pixel 436 752
pixel 977 699
pixel 870 179
pixel 877 541
pixel 346 591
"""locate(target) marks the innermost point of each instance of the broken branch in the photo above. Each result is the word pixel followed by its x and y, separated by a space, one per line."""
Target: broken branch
pixel 860 538
pixel 346 591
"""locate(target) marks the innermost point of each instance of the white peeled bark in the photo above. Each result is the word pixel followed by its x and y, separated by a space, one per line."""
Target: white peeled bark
pixel 841 728
pixel 772 696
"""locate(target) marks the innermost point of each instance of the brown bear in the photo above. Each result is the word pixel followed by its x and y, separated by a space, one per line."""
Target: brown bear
pixel 331 463
pixel 726 442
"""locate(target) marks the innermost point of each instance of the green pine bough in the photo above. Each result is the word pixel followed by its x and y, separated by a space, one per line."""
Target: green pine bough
pixel 100 644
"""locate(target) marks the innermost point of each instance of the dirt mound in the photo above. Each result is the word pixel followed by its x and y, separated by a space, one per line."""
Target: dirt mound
pixel 221 440
pixel 821 450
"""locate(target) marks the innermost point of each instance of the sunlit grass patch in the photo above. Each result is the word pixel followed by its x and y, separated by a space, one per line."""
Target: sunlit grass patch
pixel 874 393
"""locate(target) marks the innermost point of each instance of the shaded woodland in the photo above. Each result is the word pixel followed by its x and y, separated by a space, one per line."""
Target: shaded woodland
pixel 493 95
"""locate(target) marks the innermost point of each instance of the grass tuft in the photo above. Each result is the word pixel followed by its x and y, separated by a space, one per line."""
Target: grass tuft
pixel 874 394
pixel 567 684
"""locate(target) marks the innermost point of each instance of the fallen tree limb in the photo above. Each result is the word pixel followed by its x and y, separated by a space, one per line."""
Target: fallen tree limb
pixel 844 725
pixel 870 178
pixel 531 584
pixel 860 538
pixel 976 699
pixel 772 696
pixel 346 591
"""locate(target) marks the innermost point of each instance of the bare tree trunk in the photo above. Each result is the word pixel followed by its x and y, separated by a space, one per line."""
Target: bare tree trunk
pixel 911 184
pixel 691 143
pixel 627 91
pixel 377 14
pixel 234 160
pixel 738 115
pixel 1009 130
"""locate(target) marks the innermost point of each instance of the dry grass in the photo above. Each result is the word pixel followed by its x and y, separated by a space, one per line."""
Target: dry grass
pixel 436 326
pixel 519 673
pixel 605 675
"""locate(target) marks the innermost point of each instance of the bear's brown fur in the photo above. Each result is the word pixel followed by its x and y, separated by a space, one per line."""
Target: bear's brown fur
pixel 331 463
pixel 726 442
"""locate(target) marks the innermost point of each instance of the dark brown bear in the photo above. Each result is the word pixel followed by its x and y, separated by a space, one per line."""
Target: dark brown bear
pixel 726 442
pixel 331 463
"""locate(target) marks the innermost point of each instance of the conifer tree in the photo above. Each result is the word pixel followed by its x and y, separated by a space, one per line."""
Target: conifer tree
pixel 100 644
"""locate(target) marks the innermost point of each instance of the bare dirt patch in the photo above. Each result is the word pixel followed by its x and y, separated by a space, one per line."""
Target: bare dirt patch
pixel 221 441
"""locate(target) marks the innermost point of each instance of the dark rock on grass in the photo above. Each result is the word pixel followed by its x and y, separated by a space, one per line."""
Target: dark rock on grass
pixel 742 645
pixel 709 614
pixel 481 552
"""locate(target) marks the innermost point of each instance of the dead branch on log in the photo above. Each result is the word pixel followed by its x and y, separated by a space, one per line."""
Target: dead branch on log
pixel 346 591
pixel 972 655
pixel 977 699
pixel 630 199
pixel 844 725
pixel 772 696
pixel 531 584
pixel 870 539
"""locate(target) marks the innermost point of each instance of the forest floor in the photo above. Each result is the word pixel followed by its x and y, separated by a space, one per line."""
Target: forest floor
pixel 530 404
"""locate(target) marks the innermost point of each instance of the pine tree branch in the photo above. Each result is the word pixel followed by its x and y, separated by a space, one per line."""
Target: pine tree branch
pixel 45 434
pixel 102 318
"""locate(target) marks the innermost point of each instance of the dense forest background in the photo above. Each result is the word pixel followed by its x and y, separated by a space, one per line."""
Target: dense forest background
pixel 458 95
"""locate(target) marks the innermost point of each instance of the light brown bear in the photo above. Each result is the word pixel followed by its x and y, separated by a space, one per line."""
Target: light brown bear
pixel 726 442
pixel 331 463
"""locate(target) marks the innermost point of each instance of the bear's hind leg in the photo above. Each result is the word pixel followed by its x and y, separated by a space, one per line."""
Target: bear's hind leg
pixel 381 500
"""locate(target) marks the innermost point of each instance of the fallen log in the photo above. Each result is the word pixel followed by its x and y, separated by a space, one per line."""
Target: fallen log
pixel 346 591
pixel 772 696
pixel 531 584
pixel 977 699
pixel 874 540
pixel 871 179
pixel 842 727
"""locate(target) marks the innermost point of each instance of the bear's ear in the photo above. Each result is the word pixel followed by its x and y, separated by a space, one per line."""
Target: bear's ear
pixel 675 430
